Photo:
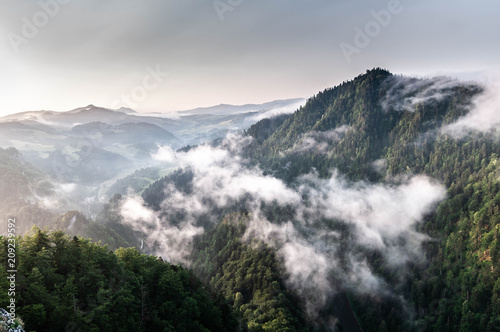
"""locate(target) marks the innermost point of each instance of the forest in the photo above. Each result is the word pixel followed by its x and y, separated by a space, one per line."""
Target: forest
pixel 378 133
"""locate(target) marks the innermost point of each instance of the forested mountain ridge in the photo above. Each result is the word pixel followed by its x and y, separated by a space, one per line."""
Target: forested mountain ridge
pixel 249 277
pixel 379 128
pixel 68 284
pixel 372 108
pixel 459 289
pixel 271 220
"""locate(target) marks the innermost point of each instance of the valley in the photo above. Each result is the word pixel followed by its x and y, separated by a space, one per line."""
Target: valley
pixel 371 206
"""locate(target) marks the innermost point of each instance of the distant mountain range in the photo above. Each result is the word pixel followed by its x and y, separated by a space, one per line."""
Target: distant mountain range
pixel 369 208
pixel 225 109
pixel 95 146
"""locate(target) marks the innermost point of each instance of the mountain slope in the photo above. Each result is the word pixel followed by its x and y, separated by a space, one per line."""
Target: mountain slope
pixel 72 284
pixel 370 125
pixel 381 129
pixel 225 109
pixel 394 131
pixel 280 214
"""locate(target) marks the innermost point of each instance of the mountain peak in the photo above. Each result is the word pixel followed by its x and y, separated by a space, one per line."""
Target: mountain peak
pixel 85 108
pixel 125 110
pixel 92 107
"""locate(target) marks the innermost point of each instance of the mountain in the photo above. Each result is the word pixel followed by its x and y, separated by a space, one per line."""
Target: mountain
pixel 94 146
pixel 126 110
pixel 88 114
pixel 380 126
pixel 288 105
pixel 362 156
pixel 363 106
pixel 374 206
pixel 84 286
pixel 31 197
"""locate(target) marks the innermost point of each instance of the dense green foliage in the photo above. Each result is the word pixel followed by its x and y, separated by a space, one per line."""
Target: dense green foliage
pixel 459 287
pixel 460 290
pixel 65 283
pixel 248 276
pixel 456 287
pixel 374 132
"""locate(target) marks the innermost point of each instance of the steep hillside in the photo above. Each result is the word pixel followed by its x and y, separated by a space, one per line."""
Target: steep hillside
pixel 395 127
pixel 356 123
pixel 26 192
pixel 20 187
pixel 72 284
pixel 368 207
pixel 249 277
pixel 376 131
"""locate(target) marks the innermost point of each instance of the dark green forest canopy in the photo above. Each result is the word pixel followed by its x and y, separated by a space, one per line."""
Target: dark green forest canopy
pixel 461 268
pixel 372 106
pixel 459 286
pixel 374 129
pixel 249 277
pixel 65 283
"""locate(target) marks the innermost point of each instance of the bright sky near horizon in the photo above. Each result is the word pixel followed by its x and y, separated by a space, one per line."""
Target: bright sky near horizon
pixel 161 56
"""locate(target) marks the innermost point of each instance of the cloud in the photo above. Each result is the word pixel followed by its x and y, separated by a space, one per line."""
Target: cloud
pixel 383 217
pixel 320 141
pixel 134 209
pixel 172 242
pixel 404 93
pixel 484 115
pixel 68 187
pixel 289 109
pixel 308 270
pixel 381 213
pixel 322 243
pixel 379 165
pixel 164 154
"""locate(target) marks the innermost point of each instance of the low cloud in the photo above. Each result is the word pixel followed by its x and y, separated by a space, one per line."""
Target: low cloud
pixel 165 154
pixel 322 242
pixel 381 213
pixel 379 165
pixel 320 141
pixel 172 242
pixel 382 217
pixel 289 109
pixel 404 93
pixel 484 115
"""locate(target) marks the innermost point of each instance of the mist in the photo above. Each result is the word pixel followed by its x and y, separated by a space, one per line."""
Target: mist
pixel 320 141
pixel 404 93
pixel 289 109
pixel 482 113
pixel 323 246
pixel 483 116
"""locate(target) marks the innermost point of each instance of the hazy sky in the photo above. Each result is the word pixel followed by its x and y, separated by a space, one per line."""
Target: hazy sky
pixel 79 52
